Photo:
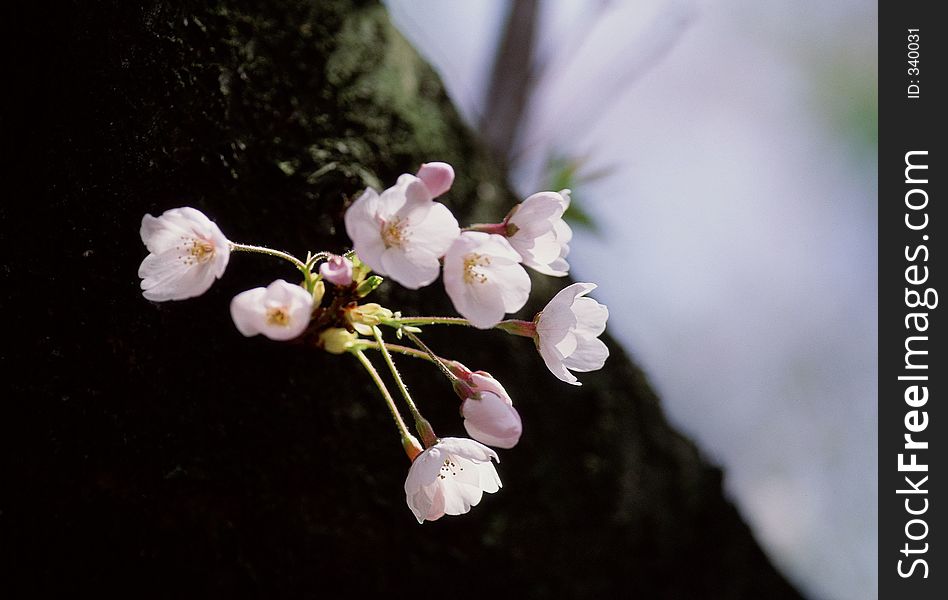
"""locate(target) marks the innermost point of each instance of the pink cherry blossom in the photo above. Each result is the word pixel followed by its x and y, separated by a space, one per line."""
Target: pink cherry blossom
pixel 484 279
pixel 449 478
pixel 401 232
pixel 187 252
pixel 536 230
pixel 280 311
pixel 567 333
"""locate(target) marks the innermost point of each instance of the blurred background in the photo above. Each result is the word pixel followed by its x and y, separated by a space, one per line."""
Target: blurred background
pixel 722 157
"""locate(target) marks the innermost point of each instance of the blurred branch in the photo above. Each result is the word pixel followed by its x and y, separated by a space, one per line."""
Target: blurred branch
pixel 510 82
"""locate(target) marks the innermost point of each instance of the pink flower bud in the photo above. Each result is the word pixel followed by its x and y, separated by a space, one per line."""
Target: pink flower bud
pixel 337 270
pixel 437 177
pixel 489 415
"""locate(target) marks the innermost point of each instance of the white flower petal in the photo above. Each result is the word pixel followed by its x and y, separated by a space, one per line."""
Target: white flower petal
pixel 536 215
pixel 591 316
pixel 413 269
pixel 514 284
pixel 364 229
pixel 554 362
pixel 568 294
pixel 424 469
pixel 497 246
pixel 392 199
pixel 590 355
pixel 555 322
pixel 459 499
pixel 564 233
pixel 482 305
pixel 161 233
pixel 557 268
pixel 468 449
pixel 416 200
pixel 490 480
pixel 247 311
pixel 437 232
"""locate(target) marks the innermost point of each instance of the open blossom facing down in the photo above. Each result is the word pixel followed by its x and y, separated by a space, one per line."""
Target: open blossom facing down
pixel 449 478
pixel 187 253
pixel 280 311
pixel 401 232
pixel 536 230
pixel 568 330
pixel 489 415
pixel 484 279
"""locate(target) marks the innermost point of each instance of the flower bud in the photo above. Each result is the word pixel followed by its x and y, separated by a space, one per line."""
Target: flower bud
pixel 437 177
pixel 337 270
pixel 365 316
pixel 337 340
pixel 489 415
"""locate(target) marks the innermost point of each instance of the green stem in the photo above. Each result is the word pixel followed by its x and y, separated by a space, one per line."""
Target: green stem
pixel 430 321
pixel 402 429
pixel 454 379
pixel 398 378
pixel 271 252
pixel 398 350
pixel 304 268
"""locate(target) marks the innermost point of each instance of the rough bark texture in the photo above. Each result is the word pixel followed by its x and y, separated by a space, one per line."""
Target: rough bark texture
pixel 154 452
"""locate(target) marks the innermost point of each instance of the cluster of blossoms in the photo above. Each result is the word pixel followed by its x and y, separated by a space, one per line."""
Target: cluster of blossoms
pixel 403 234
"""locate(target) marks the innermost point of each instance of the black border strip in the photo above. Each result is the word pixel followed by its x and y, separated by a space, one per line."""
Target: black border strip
pixel 912 369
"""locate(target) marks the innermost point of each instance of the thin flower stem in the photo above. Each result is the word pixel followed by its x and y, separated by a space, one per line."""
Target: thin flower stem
pixel 398 378
pixel 430 321
pixel 433 357
pixel 271 252
pixel 402 429
pixel 396 348
pixel 305 268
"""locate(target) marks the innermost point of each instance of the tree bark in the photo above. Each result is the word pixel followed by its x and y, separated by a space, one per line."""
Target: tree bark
pixel 152 451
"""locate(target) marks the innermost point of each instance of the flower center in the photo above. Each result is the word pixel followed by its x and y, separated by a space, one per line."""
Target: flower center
pixel 449 468
pixel 471 271
pixel 201 250
pixel 278 315
pixel 196 250
pixel 393 233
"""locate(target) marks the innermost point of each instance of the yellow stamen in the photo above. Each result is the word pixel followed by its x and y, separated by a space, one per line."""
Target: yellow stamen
pixel 278 316
pixel 202 250
pixel 393 233
pixel 471 272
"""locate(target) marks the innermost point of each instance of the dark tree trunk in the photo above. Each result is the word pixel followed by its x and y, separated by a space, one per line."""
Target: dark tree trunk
pixel 151 451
